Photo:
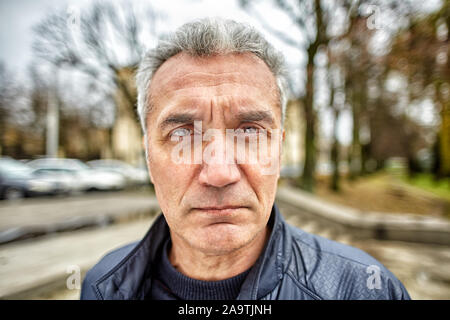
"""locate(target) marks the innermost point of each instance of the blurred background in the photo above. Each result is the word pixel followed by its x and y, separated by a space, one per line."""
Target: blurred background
pixel 367 131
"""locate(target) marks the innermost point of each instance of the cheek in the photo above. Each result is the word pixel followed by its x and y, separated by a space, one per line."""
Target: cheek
pixel 170 180
pixel 264 185
pixel 160 163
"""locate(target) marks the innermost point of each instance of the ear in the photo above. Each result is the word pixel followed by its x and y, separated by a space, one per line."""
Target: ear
pixel 283 138
pixel 147 161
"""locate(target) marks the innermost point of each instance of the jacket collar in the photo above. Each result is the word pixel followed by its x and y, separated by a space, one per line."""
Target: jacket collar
pixel 268 270
pixel 131 278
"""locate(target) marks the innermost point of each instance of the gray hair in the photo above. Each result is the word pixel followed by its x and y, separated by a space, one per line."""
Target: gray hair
pixel 207 37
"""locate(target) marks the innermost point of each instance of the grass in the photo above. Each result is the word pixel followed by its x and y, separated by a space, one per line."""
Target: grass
pixel 424 181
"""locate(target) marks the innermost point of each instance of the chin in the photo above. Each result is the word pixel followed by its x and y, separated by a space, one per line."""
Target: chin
pixel 222 238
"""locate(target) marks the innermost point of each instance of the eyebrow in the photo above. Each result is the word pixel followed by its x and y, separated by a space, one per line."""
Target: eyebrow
pixel 177 118
pixel 256 116
pixel 243 116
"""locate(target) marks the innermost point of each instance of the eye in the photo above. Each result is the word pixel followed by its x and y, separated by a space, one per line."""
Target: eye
pixel 181 132
pixel 249 130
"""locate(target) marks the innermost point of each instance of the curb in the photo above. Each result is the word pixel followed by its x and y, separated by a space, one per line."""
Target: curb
pixel 365 224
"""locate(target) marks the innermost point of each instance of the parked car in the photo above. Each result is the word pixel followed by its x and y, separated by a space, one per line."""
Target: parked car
pixel 65 180
pixel 18 181
pixel 134 176
pixel 86 177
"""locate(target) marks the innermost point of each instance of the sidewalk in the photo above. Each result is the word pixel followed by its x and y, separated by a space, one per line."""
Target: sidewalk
pixel 32 268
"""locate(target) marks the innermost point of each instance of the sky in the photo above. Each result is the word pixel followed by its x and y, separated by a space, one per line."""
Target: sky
pixel 17 18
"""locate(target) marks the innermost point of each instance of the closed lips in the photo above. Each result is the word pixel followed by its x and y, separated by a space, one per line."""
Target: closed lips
pixel 220 208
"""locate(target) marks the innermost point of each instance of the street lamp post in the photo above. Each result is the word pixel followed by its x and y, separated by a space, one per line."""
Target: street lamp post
pixel 52 133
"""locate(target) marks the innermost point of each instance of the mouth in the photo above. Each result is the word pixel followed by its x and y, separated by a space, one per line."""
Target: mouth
pixel 220 210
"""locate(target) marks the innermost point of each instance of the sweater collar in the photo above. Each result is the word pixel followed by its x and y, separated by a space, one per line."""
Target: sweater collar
pixel 191 289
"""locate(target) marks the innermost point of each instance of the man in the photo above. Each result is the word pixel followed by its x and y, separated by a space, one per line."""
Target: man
pixel 220 236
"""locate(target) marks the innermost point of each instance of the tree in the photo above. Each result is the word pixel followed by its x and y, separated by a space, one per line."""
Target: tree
pixel 7 94
pixel 422 53
pixel 99 41
pixel 335 146
pixel 13 113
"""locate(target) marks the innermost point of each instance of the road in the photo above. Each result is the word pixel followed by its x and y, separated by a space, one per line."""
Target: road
pixel 423 269
pixel 49 211
pixel 41 216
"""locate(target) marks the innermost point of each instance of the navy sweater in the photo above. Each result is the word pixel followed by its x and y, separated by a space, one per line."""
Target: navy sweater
pixel 170 284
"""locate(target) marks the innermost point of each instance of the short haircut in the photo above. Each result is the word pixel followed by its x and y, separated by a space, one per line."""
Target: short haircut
pixel 207 37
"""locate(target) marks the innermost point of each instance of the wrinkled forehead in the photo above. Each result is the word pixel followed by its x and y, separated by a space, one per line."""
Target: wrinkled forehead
pixel 183 72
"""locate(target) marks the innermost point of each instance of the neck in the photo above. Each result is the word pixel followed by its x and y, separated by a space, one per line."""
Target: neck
pixel 199 265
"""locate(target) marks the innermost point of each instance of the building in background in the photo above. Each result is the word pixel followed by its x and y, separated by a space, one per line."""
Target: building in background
pixel 293 151
pixel 126 133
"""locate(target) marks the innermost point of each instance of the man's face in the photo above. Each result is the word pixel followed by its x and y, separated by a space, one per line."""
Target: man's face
pixel 215 207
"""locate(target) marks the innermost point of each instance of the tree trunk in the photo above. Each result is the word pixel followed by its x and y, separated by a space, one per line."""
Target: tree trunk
pixel 307 180
pixel 444 133
pixel 355 154
pixel 334 154
pixel 335 178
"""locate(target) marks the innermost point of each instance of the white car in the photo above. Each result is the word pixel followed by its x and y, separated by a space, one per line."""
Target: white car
pixel 86 178
pixel 133 175
pixel 67 181
pixel 17 181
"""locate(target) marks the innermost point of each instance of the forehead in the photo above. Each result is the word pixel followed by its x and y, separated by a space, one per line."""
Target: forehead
pixel 242 75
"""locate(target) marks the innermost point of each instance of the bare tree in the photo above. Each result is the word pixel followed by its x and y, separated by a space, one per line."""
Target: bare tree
pixel 99 41
pixel 10 92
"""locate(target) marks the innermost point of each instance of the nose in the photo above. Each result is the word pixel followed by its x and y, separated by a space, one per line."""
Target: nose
pixel 216 171
pixel 219 175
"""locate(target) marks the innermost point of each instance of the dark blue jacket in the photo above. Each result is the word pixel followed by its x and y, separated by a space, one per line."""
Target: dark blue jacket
pixel 293 265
